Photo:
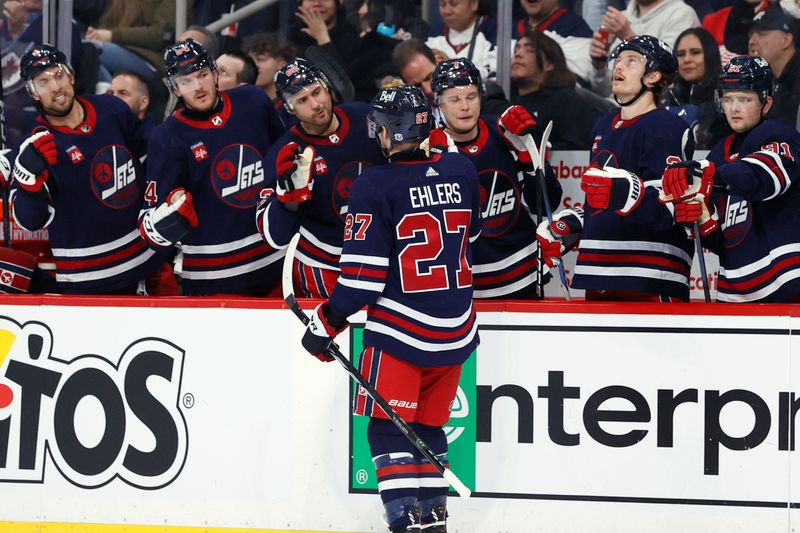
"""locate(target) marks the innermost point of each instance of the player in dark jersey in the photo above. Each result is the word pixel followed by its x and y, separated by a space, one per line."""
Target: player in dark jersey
pixel 77 173
pixel 407 256
pixel 205 179
pixel 311 169
pixel 630 247
pixel 504 258
pixel 750 219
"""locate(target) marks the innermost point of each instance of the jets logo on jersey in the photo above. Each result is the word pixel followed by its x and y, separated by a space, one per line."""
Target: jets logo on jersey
pixel 113 177
pixel 237 174
pixel 75 155
pixel 500 202
pixel 604 158
pixel 199 151
pixel 342 183
pixel 737 220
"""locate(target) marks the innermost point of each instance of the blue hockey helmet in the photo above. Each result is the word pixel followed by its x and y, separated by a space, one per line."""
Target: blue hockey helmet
pixel 403 111
pixel 39 59
pixel 658 54
pixel 296 76
pixel 185 57
pixel 457 72
pixel 747 73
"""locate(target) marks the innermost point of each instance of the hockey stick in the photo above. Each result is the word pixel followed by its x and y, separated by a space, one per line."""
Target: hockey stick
pixel 5 194
pixel 698 245
pixel 537 157
pixel 333 351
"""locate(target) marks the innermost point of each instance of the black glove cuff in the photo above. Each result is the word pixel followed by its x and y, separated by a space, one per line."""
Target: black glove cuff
pixel 335 320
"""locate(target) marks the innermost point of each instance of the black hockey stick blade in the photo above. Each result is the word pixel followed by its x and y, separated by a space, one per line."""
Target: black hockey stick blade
pixel 333 351
pixel 334 71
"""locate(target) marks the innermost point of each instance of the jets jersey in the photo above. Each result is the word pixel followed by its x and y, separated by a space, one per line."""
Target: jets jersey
pixel 91 200
pixel 505 254
pixel 407 255
pixel 340 158
pixel 217 157
pixel 758 242
pixel 644 251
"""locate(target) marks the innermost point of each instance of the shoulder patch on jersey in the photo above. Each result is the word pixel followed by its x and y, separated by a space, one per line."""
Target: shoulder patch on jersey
pixel 199 151
pixel 75 154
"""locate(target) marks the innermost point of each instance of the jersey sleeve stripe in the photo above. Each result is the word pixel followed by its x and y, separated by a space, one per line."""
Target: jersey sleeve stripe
pixel 365 259
pixel 359 272
pixel 771 163
pixel 363 285
pixel 263 227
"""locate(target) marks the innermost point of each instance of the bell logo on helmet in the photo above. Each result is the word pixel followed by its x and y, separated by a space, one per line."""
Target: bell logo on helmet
pixel 387 96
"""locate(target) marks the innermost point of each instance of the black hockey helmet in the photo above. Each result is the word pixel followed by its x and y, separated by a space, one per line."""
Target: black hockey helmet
pixel 295 76
pixel 747 73
pixel 457 72
pixel 39 59
pixel 185 57
pixel 658 54
pixel 403 111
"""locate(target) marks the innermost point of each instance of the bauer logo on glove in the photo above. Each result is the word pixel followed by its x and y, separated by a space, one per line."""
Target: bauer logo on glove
pixel 613 189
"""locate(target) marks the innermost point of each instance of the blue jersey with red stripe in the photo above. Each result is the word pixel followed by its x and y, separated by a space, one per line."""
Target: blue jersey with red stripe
pixel 340 158
pixel 504 257
pixel 758 242
pixel 91 200
pixel 407 255
pixel 644 251
pixel 217 157
pixel 564 22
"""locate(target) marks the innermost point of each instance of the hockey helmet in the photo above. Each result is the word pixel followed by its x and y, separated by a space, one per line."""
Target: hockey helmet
pixel 403 111
pixel 39 59
pixel 296 76
pixel 457 72
pixel 185 57
pixel 747 73
pixel 658 54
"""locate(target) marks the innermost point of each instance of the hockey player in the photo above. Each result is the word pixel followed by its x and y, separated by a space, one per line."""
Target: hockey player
pixel 205 170
pixel 504 257
pixel 630 247
pixel 311 170
pixel 750 220
pixel 77 173
pixel 407 256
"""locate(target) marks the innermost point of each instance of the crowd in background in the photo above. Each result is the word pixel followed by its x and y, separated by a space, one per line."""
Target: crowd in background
pixel 558 67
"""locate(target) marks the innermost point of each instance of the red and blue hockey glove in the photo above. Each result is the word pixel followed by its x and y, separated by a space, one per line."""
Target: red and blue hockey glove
pixel 322 328
pixel 295 175
pixel 561 236
pixel 5 168
pixel 171 221
pixel 698 209
pixel 438 142
pixel 35 153
pixel 515 123
pixel 612 188
pixel 687 179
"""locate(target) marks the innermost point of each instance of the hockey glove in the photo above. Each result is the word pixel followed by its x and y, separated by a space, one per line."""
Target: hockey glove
pixel 438 142
pixel 5 168
pixel 295 177
pixel 171 221
pixel 698 209
pixel 612 188
pixel 514 123
pixel 685 180
pixel 323 327
pixel 561 236
pixel 35 153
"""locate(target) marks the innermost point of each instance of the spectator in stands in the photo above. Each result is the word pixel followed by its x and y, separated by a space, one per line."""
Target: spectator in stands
pixel 567 28
pixel 132 89
pixel 324 23
pixel 131 35
pixel 693 94
pixel 469 32
pixel 270 53
pixel 663 19
pixel 773 36
pixel 236 68
pixel 543 85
